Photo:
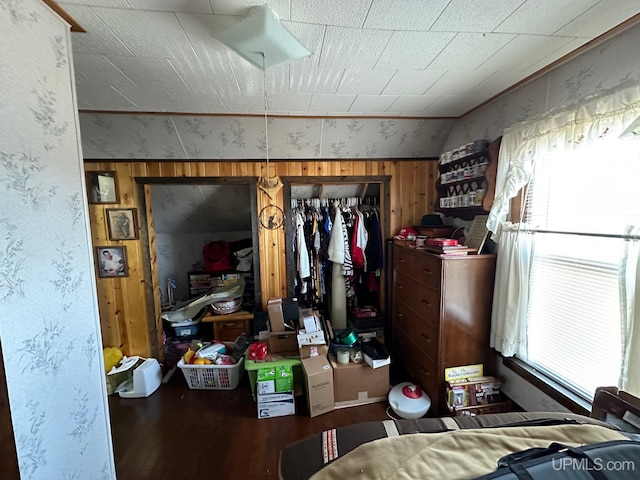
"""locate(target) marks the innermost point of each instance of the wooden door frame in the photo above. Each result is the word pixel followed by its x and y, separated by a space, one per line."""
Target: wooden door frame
pixel 147 231
pixel 385 224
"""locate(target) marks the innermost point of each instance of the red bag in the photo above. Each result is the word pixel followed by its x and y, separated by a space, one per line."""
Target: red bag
pixel 217 256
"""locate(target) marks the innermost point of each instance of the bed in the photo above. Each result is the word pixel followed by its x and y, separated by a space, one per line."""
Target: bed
pixel 456 447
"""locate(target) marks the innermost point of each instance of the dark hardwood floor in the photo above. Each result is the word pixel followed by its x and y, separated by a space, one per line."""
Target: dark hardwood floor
pixel 197 434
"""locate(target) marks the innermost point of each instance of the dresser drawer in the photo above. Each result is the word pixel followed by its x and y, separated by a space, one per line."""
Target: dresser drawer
pixel 425 336
pixel 402 317
pixel 423 301
pixel 402 347
pixel 427 270
pixel 420 267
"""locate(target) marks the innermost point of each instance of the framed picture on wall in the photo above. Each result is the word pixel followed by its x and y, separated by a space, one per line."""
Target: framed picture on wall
pixel 122 223
pixel 112 262
pixel 101 187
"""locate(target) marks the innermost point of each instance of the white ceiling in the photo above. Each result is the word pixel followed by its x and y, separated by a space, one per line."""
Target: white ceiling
pixel 411 58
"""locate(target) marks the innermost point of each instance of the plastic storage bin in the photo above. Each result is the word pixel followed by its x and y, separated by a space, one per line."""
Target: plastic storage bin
pixel 212 377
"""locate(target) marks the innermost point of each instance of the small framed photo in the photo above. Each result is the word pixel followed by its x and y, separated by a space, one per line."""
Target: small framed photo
pixel 122 223
pixel 102 187
pixel 112 262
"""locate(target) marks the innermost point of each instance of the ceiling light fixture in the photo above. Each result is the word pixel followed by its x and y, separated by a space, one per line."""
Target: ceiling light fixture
pixel 263 41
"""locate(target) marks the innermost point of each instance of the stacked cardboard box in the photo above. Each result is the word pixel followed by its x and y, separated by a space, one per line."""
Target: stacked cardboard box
pixel 275 391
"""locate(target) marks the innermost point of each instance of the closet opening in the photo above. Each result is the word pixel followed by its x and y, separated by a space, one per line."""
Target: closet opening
pixel 311 205
pixel 202 233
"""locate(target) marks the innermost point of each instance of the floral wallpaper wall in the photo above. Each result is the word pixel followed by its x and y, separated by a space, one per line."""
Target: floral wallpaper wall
pixel 605 67
pixel 602 68
pixel 49 324
pixel 124 136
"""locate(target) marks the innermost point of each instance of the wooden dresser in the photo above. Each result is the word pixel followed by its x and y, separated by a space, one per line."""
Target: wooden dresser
pixel 441 315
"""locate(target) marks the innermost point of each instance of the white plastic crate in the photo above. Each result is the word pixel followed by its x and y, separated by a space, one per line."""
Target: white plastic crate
pixel 212 377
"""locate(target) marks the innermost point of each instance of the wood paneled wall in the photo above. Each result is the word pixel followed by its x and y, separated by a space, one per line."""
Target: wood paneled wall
pixel 127 315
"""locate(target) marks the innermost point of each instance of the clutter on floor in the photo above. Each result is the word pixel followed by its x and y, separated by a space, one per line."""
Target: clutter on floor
pixel 131 377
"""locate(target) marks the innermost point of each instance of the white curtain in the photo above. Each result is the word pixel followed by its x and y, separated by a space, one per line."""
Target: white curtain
pixel 630 315
pixel 511 296
pixel 615 114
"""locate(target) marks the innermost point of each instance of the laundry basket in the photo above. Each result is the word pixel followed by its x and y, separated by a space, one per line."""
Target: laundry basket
pixel 212 377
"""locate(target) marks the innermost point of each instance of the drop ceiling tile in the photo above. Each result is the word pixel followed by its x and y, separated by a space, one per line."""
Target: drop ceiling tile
pixel 413 50
pixel 243 103
pixel 453 105
pixel 364 82
pixel 412 82
pixel 330 12
pixel 331 103
pixel 146 33
pixel 352 48
pixel 372 103
pixel 315 80
pixel 200 30
pixel 476 16
pixel 191 101
pixel 100 40
pixel 192 6
pixel 240 7
pixel 104 97
pixel 252 79
pixel 146 71
pixel 542 17
pixel 297 102
pixel 94 69
pixel 600 18
pixel 311 36
pixel 404 14
pixel 467 51
pixel 496 83
pixel 458 82
pixel 413 103
pixel 207 77
pixel 150 100
pixel 524 51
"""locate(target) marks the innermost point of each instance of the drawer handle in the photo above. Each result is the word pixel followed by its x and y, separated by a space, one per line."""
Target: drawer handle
pixel 427 271
pixel 425 302
pixel 401 260
pixel 426 339
pixel 427 373
pixel 400 286
pixel 399 315
pixel 231 324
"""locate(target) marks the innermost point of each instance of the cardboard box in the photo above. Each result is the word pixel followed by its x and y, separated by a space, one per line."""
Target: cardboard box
pixel 358 383
pixel 312 338
pixel 283 342
pixel 307 351
pixel 276 404
pixel 276 317
pixel 309 320
pixel 319 385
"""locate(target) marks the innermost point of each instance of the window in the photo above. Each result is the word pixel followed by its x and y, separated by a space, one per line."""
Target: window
pixel 579 205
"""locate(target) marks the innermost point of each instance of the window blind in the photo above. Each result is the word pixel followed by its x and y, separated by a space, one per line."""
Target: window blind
pixel 578 205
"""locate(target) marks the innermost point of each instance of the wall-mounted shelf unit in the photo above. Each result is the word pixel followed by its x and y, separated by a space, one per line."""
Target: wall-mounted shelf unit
pixel 467 180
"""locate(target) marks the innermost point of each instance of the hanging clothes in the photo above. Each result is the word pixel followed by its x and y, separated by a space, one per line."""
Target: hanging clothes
pixel 304 270
pixel 336 253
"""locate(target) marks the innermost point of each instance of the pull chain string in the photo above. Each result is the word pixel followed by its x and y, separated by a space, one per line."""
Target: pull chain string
pixel 266 127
